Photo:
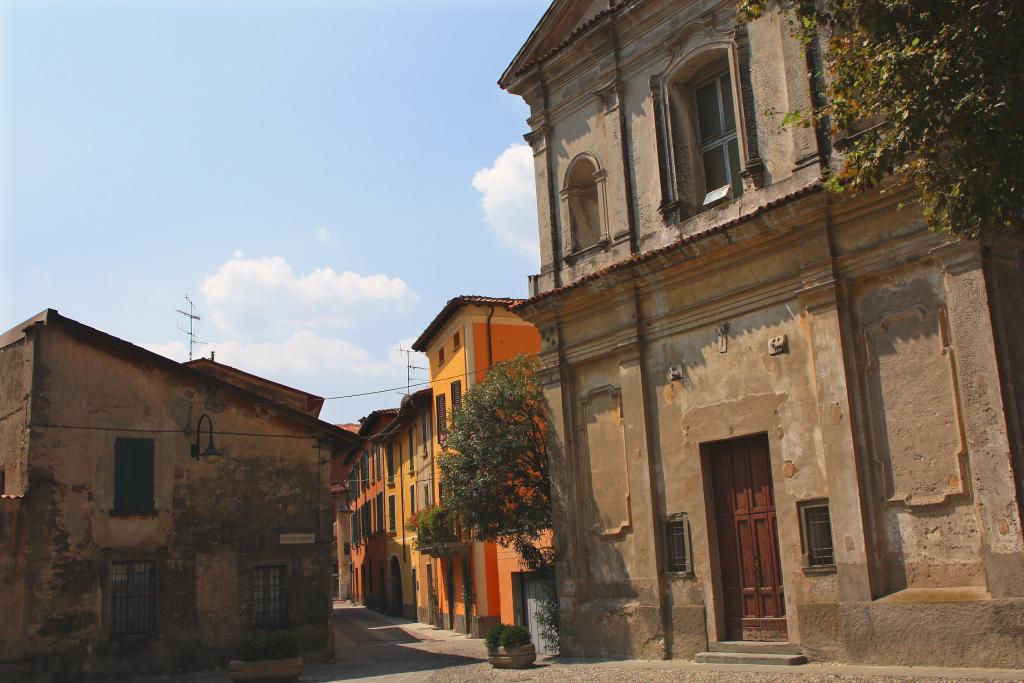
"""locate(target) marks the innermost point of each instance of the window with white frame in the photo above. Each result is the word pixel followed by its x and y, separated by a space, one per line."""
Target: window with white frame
pixel 719 143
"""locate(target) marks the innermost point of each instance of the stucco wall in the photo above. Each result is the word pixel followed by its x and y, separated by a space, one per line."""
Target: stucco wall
pixel 215 519
pixel 15 383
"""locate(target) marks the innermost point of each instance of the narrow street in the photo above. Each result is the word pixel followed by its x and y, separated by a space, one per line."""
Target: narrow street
pixel 373 647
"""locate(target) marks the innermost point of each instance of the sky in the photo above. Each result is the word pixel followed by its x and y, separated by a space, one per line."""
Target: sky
pixel 319 177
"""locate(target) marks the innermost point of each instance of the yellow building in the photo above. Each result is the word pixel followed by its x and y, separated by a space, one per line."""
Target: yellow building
pixel 464 340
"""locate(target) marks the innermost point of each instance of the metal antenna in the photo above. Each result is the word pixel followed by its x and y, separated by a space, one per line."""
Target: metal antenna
pixel 409 367
pixel 191 331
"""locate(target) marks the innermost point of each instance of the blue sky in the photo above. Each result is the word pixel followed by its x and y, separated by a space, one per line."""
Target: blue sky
pixel 319 176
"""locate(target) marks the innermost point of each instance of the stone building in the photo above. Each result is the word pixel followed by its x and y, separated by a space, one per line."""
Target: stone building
pixel 777 414
pixel 154 513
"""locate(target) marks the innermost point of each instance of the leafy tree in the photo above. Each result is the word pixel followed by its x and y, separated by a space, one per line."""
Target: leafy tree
pixel 496 474
pixel 495 461
pixel 943 80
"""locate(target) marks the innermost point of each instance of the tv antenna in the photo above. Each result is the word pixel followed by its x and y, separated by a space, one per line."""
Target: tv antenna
pixel 409 367
pixel 191 332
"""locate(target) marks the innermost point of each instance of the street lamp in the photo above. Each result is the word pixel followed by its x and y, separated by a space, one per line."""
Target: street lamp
pixel 210 449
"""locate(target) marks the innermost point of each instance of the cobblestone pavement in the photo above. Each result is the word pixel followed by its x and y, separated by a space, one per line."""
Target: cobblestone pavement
pixel 372 647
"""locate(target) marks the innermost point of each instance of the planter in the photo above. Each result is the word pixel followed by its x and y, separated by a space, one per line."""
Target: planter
pixel 266 670
pixel 512 657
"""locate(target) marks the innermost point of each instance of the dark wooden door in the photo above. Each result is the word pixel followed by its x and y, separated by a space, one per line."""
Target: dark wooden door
pixel 748 543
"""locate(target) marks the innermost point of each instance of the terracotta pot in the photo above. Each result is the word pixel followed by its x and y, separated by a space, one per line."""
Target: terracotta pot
pixel 266 670
pixel 512 657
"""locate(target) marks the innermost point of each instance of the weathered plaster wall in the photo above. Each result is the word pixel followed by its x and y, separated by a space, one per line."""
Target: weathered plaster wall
pixel 914 457
pixel 15 384
pixel 215 519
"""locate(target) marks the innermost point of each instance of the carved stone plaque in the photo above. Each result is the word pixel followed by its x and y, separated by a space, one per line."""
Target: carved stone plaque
pixel 604 440
pixel 915 407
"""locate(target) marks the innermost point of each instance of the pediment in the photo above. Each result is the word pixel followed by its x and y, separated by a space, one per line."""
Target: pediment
pixel 560 22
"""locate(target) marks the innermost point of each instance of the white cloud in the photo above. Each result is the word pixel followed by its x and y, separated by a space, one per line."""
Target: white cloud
pixel 264 296
pixel 509 198
pixel 323 235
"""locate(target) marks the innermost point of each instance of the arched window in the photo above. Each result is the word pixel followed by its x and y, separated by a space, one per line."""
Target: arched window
pixel 583 212
pixel 697 118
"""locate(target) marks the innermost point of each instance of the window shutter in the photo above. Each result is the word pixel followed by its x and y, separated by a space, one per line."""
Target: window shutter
pixel 391 514
pixel 442 419
pixel 456 394
pixel 412 499
pixel 133 475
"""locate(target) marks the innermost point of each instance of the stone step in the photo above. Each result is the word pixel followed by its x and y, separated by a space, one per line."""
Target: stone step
pixel 756 647
pixel 749 658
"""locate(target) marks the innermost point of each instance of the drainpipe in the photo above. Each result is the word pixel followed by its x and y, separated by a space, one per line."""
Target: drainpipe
pixel 490 353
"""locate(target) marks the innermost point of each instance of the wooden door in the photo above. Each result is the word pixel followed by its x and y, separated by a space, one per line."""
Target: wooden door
pixel 748 544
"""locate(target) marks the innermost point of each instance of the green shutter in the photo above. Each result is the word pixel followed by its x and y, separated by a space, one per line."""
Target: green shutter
pixel 133 475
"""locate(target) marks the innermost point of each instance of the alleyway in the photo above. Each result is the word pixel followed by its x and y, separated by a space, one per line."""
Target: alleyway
pixel 372 647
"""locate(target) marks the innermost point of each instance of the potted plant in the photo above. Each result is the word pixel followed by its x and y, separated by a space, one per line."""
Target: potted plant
pixel 509 647
pixel 271 658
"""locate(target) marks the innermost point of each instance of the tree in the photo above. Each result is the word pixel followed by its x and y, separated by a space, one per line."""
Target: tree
pixel 944 83
pixel 494 466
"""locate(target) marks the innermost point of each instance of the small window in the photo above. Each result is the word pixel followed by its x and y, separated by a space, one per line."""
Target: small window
pixel 719 144
pixel 133 597
pixel 268 595
pixel 133 476
pixel 816 526
pixel 391 464
pixel 442 418
pixel 677 545
pixel 412 499
pixel 456 394
pixel 440 356
pixel 456 342
pixel 391 514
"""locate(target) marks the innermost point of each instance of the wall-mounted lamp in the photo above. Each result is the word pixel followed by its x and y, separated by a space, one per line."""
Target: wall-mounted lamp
pixel 210 449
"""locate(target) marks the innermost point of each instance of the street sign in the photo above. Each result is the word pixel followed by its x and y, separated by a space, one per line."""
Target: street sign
pixel 297 539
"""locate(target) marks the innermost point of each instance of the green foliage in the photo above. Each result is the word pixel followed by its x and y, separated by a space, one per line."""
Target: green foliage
pixel 468 594
pixel 495 462
pixel 496 473
pixel 278 645
pixel 931 92
pixel 507 636
pixel 434 529
pixel 548 614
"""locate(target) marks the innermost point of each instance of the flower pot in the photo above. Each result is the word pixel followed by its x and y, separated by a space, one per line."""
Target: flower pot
pixel 266 670
pixel 512 657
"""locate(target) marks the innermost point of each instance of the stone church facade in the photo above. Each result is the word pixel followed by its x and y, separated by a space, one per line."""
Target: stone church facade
pixel 778 414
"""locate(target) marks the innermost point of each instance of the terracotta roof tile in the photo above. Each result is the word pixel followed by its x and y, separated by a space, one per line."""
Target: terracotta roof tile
pixel 455 304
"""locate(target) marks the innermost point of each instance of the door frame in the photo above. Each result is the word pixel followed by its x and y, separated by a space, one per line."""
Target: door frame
pixel 717 628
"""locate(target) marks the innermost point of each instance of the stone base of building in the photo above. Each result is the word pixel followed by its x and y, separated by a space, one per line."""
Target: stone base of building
pixel 988 633
pixel 983 633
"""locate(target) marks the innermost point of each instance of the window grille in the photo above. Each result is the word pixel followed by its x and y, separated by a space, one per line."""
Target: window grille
pixel 133 596
pixel 817 528
pixel 268 595
pixel 677 545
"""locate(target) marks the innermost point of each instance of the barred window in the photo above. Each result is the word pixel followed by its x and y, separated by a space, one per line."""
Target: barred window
pixel 677 544
pixel 816 525
pixel 133 596
pixel 268 595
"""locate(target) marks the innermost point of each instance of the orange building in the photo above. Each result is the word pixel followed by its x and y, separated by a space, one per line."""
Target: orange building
pixel 468 336
pixel 368 526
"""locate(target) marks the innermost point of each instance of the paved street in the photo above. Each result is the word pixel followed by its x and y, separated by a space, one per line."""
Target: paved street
pixel 372 647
